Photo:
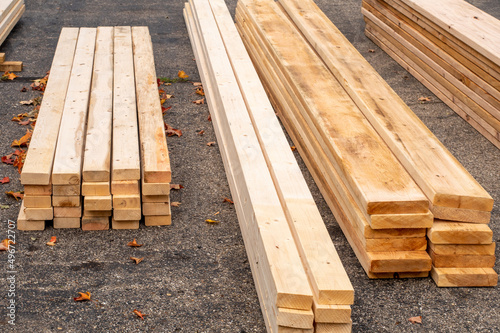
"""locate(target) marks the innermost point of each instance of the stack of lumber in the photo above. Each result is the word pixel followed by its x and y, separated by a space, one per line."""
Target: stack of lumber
pixel 382 212
pixel 451 47
pixel 321 49
pixel 300 280
pixel 10 66
pixel 85 152
pixel 10 13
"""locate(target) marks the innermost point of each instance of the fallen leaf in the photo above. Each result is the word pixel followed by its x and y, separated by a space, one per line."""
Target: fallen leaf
pixel 200 91
pixel 24 123
pixel 416 320
pixel 137 260
pixel 170 131
pixel 19 117
pixel 40 84
pixel 199 101
pixel 9 75
pixel 82 297
pixel 196 84
pixel 182 75
pixel 228 200
pixel 293 148
pixel 371 50
pixel 211 221
pixel 7 159
pixel 52 241
pixel 211 143
pixel 424 99
pixel 201 132
pixel 30 102
pixel 24 89
pixel 19 160
pixel 4 180
pixel 4 245
pixel 139 314
pixel 175 204
pixel 134 244
pixel 4 206
pixel 216 213
pixel 176 186
pixel 164 109
pixel 24 140
pixel 159 82
pixel 209 117
pixel 16 195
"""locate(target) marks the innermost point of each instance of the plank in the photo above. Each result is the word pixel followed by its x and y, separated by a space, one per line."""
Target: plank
pixel 401 221
pixel 395 244
pixel 6 7
pixel 464 277
pixel 125 187
pixel 127 201
pixel 40 157
pixel 154 188
pixel 95 223
pixel 155 198
pixel 11 20
pixel 332 328
pixel 461 261
pixel 125 144
pixel 24 224
pixel 407 136
pixel 2 55
pixel 66 189
pixel 451 249
pixel 35 201
pixel 154 151
pixel 328 313
pixel 447 232
pixel 11 66
pixel 67 211
pixel 353 237
pixel 296 318
pixel 66 200
pixel 124 224
pixel 437 90
pixel 97 213
pixel 127 214
pixel 157 220
pixel 38 214
pixel 66 222
pixel 95 188
pixel 156 208
pixel 68 159
pixel 462 215
pixel 97 159
pixel 97 202
pixel 38 189
pixel 254 183
pixel 326 273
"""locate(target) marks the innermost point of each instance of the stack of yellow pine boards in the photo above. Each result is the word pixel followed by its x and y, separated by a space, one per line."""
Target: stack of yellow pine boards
pixel 325 92
pixel 300 280
pixel 10 13
pixel 84 161
pixel 451 47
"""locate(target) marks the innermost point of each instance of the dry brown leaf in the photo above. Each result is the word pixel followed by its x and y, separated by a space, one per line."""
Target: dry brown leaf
pixel 9 75
pixel 52 241
pixel 24 140
pixel 176 186
pixel 371 50
pixel 200 91
pixel 209 117
pixel 82 297
pixel 211 221
pixel 4 180
pixel 293 148
pixel 137 260
pixel 170 131
pixel 139 314
pixel 199 101
pixel 175 204
pixel 16 195
pixel 201 132
pixel 416 320
pixel 182 75
pixel 424 99
pixel 134 244
pixel 228 200
pixel 4 245
pixel 211 143
pixel 196 84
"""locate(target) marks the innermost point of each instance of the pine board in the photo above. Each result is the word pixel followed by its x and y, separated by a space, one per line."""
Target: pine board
pixel 464 277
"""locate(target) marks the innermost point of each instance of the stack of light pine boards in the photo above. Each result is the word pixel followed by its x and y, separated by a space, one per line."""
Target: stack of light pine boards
pixel 10 13
pixel 300 280
pixel 99 134
pixel 450 46
pixel 377 165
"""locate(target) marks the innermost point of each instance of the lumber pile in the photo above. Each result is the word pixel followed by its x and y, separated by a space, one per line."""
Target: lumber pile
pixel 325 115
pixel 10 13
pixel 301 283
pixel 451 47
pixel 84 161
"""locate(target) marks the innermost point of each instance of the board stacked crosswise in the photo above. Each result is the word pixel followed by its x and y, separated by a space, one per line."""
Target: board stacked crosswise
pixel 100 119
pixel 385 176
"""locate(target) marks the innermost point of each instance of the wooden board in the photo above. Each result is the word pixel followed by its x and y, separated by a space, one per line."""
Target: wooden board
pixel 447 232
pixel 95 223
pixel 38 189
pixel 401 129
pixel 6 7
pixel 2 56
pixel 401 221
pixel 97 158
pixel 35 201
pixel 462 215
pixel 326 273
pixel 154 151
pixel 97 213
pixel 319 175
pixel 66 189
pixel 66 222
pixel 11 20
pixel 66 200
pixel 254 183
pixel 155 198
pixel 354 148
pixel 127 201
pixel 157 220
pixel 461 261
pixel 67 211
pixel 69 153
pixel 24 224
pixel 11 66
pixel 97 202
pixel 324 313
pixel 156 208
pixel 451 249
pixel 95 188
pixel 464 277
pixel 38 214
pixel 395 244
pixel 332 328
pixel 127 214
pixel 303 319
pixel 125 187
pixel 124 224
pixel 39 160
pixel 125 149
pixel 155 188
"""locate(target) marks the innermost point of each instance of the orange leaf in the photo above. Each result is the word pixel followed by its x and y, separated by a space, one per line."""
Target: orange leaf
pixel 9 76
pixel 416 320
pixel 293 148
pixel 4 180
pixel 211 221
pixel 199 101
pixel 83 297
pixel 170 131
pixel 176 186
pixel 228 200
pixel 371 50
pixel 200 91
pixel 424 99
pixel 175 204
pixel 134 244
pixel 7 159
pixel 16 195
pixel 211 143
pixel 23 141
pixel 52 241
pixel 209 117
pixel 19 117
pixel 137 260
pixel 196 84
pixel 4 245
pixel 139 314
pixel 201 132
pixel 182 75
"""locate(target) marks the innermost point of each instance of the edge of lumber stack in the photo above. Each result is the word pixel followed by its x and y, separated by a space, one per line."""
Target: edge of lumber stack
pixel 10 13
pixel 251 138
